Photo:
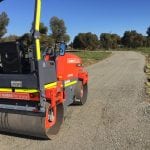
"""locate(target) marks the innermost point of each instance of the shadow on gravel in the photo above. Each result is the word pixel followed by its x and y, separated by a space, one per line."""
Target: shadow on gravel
pixel 22 136
pixel 75 105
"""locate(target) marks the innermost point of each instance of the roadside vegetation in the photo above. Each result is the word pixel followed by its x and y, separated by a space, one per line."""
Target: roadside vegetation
pixel 144 50
pixel 89 58
pixel 111 41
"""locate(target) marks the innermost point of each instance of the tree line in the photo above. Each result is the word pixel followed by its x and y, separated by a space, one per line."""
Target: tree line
pixel 130 39
pixel 90 41
pixel 56 25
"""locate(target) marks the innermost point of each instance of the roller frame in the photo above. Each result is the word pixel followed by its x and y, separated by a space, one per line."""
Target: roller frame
pixel 55 94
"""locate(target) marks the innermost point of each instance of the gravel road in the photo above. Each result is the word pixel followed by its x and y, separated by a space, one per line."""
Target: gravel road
pixel 115 117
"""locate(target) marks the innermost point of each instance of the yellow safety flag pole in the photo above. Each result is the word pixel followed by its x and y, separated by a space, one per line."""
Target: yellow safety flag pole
pixel 37 27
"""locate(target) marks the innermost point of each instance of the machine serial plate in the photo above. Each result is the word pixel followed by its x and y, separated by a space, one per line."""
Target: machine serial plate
pixel 16 83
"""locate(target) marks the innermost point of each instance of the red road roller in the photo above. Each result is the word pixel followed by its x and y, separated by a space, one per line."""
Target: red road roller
pixel 35 88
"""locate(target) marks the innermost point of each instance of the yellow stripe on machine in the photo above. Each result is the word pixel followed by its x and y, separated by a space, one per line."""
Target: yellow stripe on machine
pixel 5 90
pixel 70 83
pixel 19 90
pixel 51 85
pixel 26 90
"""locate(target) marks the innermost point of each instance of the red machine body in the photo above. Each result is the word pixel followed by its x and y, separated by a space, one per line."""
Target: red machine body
pixel 70 66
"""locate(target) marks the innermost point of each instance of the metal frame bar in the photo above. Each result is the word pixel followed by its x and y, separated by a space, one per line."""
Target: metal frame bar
pixel 37 17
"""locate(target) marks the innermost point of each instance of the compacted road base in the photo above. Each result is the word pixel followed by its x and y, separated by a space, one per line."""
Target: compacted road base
pixel 115 117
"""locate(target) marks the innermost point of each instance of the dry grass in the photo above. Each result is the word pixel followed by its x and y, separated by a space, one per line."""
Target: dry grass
pixel 91 57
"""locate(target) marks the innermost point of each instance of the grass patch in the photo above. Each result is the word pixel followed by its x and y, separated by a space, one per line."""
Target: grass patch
pixel 91 57
pixel 144 50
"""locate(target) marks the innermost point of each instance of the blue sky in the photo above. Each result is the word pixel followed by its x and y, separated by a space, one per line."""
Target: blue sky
pixel 96 16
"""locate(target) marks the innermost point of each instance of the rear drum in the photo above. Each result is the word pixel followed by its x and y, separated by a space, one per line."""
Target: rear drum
pixel 32 125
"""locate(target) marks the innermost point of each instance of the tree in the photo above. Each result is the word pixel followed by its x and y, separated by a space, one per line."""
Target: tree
pixel 106 41
pixel 9 38
pixel 132 39
pixel 43 28
pixel 26 39
pixel 148 31
pixel 86 41
pixel 66 38
pixel 146 42
pixel 147 39
pixel 109 41
pixel 59 29
pixel 4 21
pixel 46 41
pixel 116 41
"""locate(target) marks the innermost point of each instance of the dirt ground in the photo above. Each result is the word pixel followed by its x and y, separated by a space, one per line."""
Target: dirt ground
pixel 115 117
